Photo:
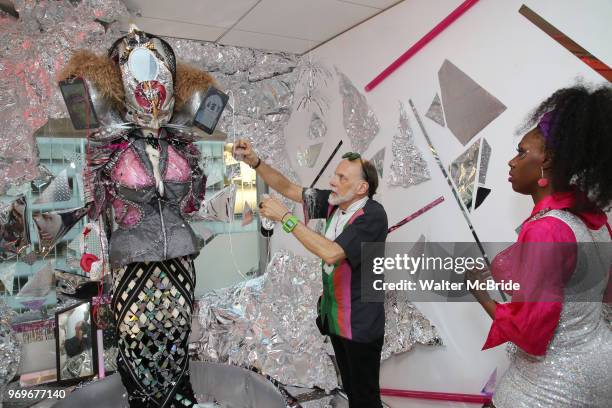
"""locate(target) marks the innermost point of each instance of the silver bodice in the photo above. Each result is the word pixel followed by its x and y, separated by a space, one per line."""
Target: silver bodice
pixel 576 370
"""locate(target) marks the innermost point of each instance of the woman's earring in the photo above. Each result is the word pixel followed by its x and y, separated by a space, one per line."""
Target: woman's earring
pixel 543 181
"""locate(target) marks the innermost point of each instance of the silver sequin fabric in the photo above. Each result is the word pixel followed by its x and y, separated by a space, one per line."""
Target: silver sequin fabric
pixel 576 370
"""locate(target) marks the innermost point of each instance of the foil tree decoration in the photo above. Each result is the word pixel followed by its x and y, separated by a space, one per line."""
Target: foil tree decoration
pixel 10 348
pixel 408 166
pixel 360 122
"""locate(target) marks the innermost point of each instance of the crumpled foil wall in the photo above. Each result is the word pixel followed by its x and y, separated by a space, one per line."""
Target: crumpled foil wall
pixel 40 42
pixel 262 85
pixel 35 47
pixel 268 323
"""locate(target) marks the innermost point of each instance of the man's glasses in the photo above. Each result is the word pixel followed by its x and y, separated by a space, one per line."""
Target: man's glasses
pixel 351 156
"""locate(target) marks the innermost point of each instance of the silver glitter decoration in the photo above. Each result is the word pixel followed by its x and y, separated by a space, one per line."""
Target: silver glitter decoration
pixel 268 323
pixel 360 122
pixel 463 173
pixel 308 157
pixel 378 160
pixel 317 128
pixel 41 41
pixel 435 112
pixel 10 348
pixel 485 156
pixel 408 167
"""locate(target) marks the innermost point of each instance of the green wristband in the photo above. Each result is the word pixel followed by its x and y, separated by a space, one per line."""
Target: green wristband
pixel 290 224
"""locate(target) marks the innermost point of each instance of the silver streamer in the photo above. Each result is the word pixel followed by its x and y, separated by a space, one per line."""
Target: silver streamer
pixel 10 348
pixel 317 128
pixel 378 160
pixel 268 323
pixel 435 112
pixel 308 157
pixel 408 167
pixel 463 172
pixel 485 155
pixel 360 122
pixel 41 40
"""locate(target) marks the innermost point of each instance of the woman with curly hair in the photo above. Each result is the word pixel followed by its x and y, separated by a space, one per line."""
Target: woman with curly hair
pixel 563 350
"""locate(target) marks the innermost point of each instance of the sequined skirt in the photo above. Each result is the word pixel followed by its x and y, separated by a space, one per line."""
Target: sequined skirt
pixel 153 305
pixel 568 377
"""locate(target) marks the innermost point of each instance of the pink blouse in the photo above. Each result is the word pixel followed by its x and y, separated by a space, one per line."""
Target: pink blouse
pixel 538 268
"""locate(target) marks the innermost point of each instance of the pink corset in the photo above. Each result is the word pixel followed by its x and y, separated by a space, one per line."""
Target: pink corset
pixel 133 174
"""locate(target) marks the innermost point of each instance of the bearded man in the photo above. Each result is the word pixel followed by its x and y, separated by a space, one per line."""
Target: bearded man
pixel 355 327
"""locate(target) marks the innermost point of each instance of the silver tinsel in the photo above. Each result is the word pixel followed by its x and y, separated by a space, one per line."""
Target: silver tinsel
pixel 408 167
pixel 268 323
pixel 360 122
pixel 10 348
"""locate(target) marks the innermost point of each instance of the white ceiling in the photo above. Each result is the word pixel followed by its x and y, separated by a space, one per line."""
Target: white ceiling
pixel 294 26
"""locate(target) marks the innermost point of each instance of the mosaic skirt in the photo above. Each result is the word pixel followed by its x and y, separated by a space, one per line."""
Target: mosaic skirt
pixel 153 305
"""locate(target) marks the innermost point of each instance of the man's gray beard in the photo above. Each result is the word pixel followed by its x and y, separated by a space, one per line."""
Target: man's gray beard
pixel 338 199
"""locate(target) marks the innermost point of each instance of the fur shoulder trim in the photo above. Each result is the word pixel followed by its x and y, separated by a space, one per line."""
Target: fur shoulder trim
pixel 100 70
pixel 189 80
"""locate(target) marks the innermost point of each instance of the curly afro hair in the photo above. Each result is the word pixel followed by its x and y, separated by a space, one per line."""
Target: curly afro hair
pixel 580 141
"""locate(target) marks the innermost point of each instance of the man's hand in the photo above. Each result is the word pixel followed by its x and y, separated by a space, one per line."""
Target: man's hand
pixel 272 209
pixel 243 151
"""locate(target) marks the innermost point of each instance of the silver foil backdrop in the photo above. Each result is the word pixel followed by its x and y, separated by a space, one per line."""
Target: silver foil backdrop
pixel 46 34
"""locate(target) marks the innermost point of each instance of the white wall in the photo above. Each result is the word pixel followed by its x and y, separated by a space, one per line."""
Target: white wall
pixel 517 63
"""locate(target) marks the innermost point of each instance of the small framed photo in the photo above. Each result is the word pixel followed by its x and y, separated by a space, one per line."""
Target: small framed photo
pixel 75 344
